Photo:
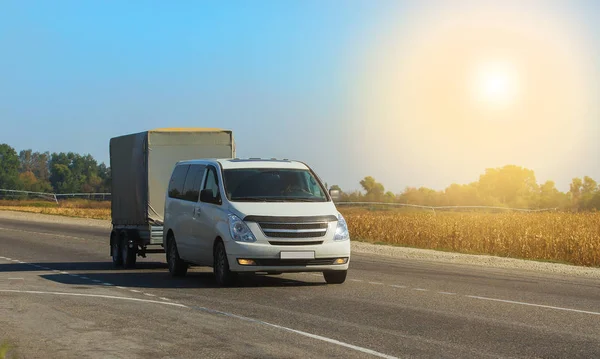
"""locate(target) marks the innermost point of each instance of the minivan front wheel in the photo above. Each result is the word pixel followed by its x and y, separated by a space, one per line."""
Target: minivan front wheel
pixel 223 275
pixel 335 276
pixel 177 266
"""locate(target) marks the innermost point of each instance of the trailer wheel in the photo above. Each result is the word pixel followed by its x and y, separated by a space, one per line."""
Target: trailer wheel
pixel 223 275
pixel 115 250
pixel 129 254
pixel 177 267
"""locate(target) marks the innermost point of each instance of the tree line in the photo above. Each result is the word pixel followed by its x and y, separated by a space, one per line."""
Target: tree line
pixel 509 186
pixel 52 172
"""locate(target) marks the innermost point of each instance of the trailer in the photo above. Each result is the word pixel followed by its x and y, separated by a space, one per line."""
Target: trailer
pixel 141 165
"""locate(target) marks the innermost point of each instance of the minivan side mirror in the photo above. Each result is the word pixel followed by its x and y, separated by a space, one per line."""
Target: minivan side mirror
pixel 335 194
pixel 206 195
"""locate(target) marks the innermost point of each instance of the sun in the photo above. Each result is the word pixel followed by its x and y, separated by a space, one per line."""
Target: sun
pixel 496 84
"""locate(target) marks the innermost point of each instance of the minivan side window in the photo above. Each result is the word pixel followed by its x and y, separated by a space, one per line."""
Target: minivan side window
pixel 212 181
pixel 191 187
pixel 177 181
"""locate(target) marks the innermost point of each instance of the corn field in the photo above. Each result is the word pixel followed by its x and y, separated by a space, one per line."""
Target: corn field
pixel 549 236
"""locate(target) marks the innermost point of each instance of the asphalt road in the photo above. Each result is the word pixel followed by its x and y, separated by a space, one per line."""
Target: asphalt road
pixel 61 298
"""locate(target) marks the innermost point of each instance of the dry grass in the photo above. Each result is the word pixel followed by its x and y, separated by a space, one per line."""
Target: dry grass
pixel 70 208
pixel 561 237
pixel 67 203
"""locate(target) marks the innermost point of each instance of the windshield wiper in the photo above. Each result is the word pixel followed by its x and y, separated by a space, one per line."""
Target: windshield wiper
pixel 303 200
pixel 256 199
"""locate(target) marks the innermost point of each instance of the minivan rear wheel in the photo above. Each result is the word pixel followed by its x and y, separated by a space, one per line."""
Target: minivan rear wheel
pixel 223 275
pixel 335 277
pixel 177 266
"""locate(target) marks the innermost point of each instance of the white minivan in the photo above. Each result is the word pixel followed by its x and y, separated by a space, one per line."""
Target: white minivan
pixel 254 216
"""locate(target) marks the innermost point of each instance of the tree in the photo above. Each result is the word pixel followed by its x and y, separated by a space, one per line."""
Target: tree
pixel 61 177
pixel 9 167
pixel 550 197
pixel 71 172
pixel 25 161
pixel 105 175
pixel 462 195
pixel 374 189
pixel 589 189
pixel 421 196
pixel 575 189
pixel 510 185
pixel 390 196
pixel 34 165
pixel 30 182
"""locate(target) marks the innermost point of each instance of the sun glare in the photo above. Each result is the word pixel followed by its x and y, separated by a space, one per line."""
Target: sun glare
pixel 461 88
pixel 496 85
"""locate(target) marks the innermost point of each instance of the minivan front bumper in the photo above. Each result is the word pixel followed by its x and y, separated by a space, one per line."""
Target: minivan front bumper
pixel 267 257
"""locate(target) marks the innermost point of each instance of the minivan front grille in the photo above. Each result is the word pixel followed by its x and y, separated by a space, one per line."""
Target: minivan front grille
pixel 292 227
pixel 278 234
pixel 293 230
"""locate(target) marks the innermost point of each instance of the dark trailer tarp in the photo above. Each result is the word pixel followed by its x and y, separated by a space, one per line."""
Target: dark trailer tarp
pixel 141 166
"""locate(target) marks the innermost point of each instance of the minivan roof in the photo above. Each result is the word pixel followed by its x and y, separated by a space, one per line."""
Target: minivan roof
pixel 238 163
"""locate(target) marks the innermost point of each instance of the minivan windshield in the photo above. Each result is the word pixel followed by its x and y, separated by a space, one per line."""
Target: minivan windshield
pixel 272 185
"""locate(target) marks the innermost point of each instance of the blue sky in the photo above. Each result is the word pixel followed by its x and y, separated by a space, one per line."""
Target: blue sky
pixel 281 74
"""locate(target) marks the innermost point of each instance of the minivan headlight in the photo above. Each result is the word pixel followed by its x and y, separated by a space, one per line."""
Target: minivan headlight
pixel 341 231
pixel 239 230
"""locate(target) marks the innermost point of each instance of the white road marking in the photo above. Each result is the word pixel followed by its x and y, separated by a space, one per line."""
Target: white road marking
pixel 150 295
pixel 63 272
pixel 533 305
pixel 43 233
pixel 447 293
pixel 163 298
pixel 246 319
pixel 306 334
pixel 376 283
pixel 398 286
pixel 16 278
pixel 120 287
pixel 8 259
pixel 135 291
pixel 357 280
pixel 421 289
pixel 93 296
